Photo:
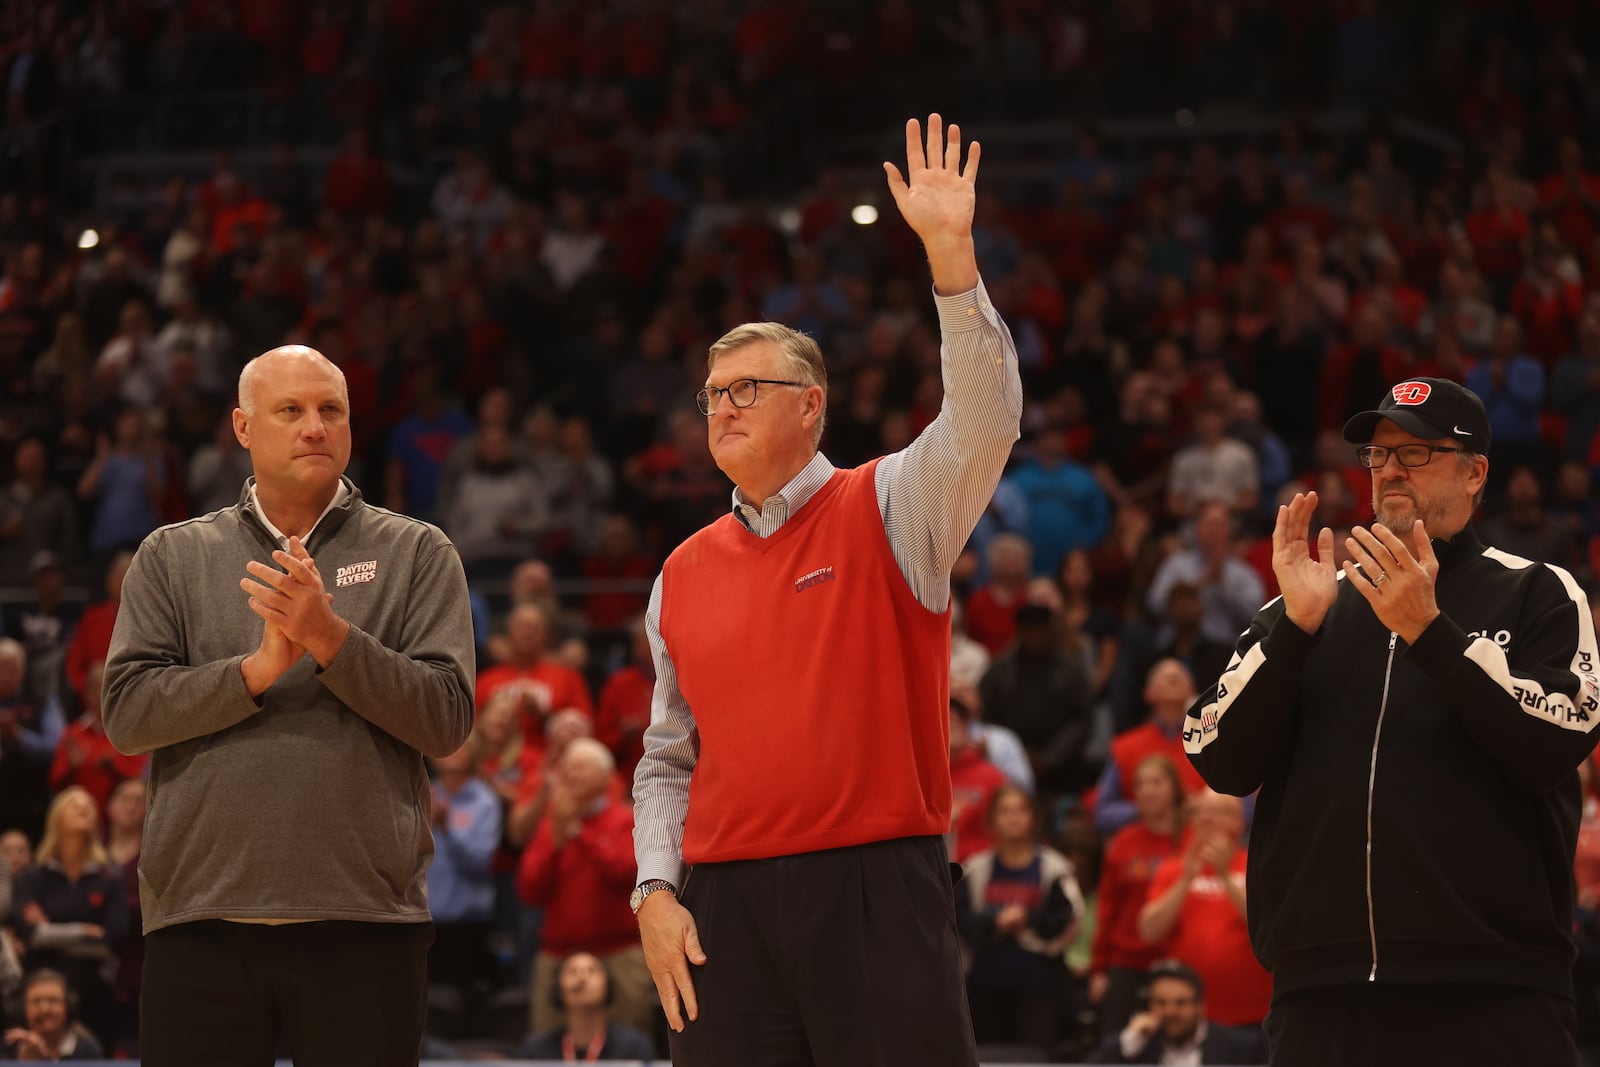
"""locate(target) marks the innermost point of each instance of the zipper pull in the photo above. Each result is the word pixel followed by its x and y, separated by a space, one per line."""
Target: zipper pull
pixel 1393 637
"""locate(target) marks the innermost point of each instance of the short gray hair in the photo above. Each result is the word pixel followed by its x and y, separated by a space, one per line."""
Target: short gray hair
pixel 252 371
pixel 802 357
pixel 1465 458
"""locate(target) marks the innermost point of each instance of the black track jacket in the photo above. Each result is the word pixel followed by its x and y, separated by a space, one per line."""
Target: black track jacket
pixel 1419 805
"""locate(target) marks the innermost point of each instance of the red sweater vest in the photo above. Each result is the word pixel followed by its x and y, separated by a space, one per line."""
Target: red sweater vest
pixel 819 685
pixel 1132 747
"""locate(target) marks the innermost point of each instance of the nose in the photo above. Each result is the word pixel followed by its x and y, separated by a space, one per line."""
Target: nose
pixel 314 428
pixel 1393 460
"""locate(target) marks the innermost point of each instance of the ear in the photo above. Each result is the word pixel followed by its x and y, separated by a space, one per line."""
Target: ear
pixel 813 401
pixel 241 427
pixel 1479 474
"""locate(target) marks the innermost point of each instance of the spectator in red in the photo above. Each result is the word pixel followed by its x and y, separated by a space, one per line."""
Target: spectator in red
pixel 546 685
pixel 1120 955
pixel 974 781
pixel 1169 690
pixel 93 638
pixel 357 184
pixel 1498 229
pixel 1359 369
pixel 84 756
pixel 1548 304
pixel 992 608
pixel 625 702
pixel 621 574
pixel 1301 218
pixel 1570 198
pixel 579 868
pixel 1407 304
pixel 1196 913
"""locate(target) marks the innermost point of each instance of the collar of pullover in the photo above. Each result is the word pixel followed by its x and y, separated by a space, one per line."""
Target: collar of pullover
pixel 1459 550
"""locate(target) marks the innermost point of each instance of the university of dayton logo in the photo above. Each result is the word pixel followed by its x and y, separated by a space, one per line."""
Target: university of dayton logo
pixel 356 573
pixel 815 578
pixel 1410 394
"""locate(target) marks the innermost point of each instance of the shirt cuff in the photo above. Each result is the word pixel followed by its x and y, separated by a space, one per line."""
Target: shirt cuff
pixel 1439 647
pixel 971 310
pixel 662 865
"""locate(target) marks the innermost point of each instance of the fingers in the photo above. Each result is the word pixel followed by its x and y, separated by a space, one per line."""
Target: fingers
pixel 952 150
pixel 973 152
pixel 897 184
pixel 299 568
pixel 1375 548
pixel 1364 557
pixel 691 1006
pixel 1325 550
pixel 1362 585
pixel 691 945
pixel 275 578
pixel 1395 546
pixel 915 160
pixel 935 140
pixel 263 593
pixel 1424 543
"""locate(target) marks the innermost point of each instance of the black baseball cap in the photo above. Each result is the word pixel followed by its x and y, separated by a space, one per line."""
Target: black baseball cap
pixel 1428 407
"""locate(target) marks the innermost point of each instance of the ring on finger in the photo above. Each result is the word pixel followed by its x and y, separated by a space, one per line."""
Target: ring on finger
pixel 1383 576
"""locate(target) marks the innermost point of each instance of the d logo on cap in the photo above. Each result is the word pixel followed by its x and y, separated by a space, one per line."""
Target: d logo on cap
pixel 1410 394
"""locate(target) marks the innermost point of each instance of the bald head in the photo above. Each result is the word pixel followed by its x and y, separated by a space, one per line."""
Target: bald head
pixel 282 358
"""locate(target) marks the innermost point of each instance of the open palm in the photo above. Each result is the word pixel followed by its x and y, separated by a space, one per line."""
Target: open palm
pixel 1309 583
pixel 935 197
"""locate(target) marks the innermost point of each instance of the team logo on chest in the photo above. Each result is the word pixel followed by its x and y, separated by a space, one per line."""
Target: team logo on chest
pixel 814 579
pixel 356 573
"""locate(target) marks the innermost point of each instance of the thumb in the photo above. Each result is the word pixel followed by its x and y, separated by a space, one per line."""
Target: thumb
pixel 1325 549
pixel 897 184
pixel 691 946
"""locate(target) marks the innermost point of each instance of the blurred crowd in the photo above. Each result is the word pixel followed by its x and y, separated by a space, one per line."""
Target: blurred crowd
pixel 519 269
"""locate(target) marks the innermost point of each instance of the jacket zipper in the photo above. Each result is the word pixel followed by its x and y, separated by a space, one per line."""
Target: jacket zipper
pixel 1372 778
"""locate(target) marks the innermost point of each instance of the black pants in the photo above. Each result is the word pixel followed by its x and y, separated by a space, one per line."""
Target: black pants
pixel 843 958
pixel 1374 1025
pixel 343 994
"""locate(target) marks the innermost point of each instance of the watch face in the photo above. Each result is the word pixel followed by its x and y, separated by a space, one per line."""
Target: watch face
pixel 636 898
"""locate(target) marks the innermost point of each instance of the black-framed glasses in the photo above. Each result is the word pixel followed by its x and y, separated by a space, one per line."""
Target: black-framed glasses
pixel 1374 456
pixel 742 391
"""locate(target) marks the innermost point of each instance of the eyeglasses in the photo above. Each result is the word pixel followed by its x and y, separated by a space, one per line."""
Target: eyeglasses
pixel 1375 456
pixel 742 391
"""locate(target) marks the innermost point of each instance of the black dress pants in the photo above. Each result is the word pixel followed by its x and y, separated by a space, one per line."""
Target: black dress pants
pixel 334 994
pixel 1389 1025
pixel 841 958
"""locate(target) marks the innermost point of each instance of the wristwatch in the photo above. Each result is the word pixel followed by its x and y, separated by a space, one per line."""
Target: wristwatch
pixel 644 889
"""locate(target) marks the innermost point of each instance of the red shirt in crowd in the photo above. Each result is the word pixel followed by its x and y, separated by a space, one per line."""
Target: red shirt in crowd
pixel 91 642
pixel 1211 936
pixel 973 783
pixel 624 713
pixel 1132 747
pixel 1549 313
pixel 101 766
pixel 549 686
pixel 583 886
pixel 992 619
pixel 1132 857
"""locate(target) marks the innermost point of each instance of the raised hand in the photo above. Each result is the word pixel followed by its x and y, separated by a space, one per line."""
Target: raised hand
pixel 937 200
pixel 1398 584
pixel 1309 585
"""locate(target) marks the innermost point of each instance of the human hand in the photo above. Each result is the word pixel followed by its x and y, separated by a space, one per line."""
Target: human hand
pixel 1145 1023
pixel 1098 984
pixel 26 1045
pixel 94 930
pixel 34 915
pixel 273 657
pixel 295 600
pixel 1013 919
pixel 1398 584
pixel 1309 586
pixel 1217 852
pixel 935 198
pixel 671 943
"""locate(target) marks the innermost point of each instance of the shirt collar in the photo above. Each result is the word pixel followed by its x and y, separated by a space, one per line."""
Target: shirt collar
pixel 788 500
pixel 339 497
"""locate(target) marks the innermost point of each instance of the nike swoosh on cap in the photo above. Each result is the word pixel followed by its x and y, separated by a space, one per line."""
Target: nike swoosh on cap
pixel 1459 430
